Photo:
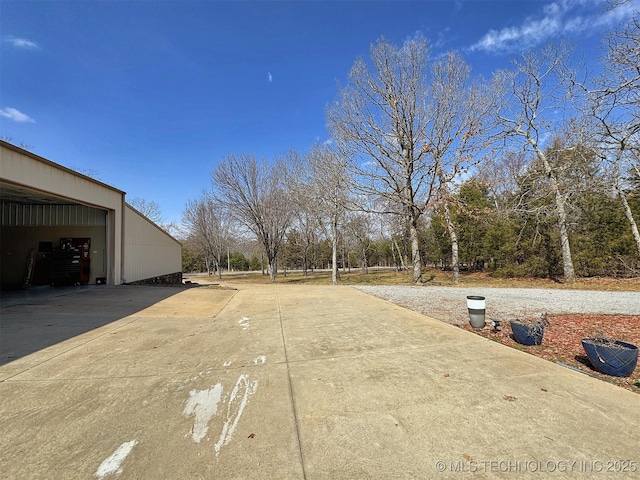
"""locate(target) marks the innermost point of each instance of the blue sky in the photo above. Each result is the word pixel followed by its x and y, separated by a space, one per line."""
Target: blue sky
pixel 150 95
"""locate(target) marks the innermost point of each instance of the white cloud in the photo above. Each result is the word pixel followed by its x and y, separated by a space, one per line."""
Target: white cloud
pixel 417 36
pixel 442 38
pixel 16 115
pixel 269 77
pixel 557 18
pixel 22 43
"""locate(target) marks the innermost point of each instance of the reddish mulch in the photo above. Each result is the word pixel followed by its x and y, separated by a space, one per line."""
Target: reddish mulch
pixel 562 341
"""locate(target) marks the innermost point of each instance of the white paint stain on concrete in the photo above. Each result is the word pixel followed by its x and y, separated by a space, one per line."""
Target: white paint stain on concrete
pixel 244 323
pixel 193 379
pixel 203 404
pixel 260 360
pixel 237 402
pixel 196 376
pixel 113 464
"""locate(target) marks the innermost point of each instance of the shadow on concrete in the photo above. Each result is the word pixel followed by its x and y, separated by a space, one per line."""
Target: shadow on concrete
pixel 36 318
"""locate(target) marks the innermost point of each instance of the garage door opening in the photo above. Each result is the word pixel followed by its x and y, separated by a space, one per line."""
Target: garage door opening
pixel 44 242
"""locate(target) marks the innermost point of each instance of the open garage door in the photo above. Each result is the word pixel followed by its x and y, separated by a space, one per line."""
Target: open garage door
pixel 48 240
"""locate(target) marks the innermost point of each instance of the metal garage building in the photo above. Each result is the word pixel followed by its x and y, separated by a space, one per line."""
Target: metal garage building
pixel 61 227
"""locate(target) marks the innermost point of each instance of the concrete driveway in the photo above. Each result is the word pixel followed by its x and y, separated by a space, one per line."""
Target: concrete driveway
pixel 281 381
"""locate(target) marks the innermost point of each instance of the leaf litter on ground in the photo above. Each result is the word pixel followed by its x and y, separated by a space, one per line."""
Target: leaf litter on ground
pixel 562 342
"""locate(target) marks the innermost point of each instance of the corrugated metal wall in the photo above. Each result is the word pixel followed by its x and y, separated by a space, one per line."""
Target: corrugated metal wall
pixel 17 215
pixel 148 251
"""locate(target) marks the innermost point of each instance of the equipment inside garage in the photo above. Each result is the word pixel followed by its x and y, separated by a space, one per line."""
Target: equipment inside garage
pixel 68 263
pixel 60 227
pixel 50 244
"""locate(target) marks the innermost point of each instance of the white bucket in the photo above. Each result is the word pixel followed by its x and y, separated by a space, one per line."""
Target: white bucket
pixel 476 302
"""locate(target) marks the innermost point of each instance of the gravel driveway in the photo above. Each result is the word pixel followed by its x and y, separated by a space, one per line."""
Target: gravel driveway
pixel 449 304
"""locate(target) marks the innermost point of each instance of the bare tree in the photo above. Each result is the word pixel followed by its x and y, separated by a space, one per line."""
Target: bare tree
pixel 359 229
pixel 149 209
pixel 380 120
pixel 305 225
pixel 395 230
pixel 459 123
pixel 501 174
pixel 615 104
pixel 254 192
pixel 329 187
pixel 208 230
pixel 535 92
pixel 173 229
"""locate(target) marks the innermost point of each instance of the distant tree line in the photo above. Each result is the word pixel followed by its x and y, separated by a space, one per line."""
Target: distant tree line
pixel 534 172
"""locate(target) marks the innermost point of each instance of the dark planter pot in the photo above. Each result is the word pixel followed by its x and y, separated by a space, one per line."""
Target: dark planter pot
pixel 526 333
pixel 611 357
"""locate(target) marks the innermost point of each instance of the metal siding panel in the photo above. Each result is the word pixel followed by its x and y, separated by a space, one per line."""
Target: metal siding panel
pixel 52 215
pixel 149 252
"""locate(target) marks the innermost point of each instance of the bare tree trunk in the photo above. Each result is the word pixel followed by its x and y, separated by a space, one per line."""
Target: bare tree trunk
pixel 273 269
pixel 415 249
pixel 455 261
pixel 567 260
pixel 393 255
pixel 403 265
pixel 334 253
pixel 305 256
pixel 365 265
pixel 632 221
